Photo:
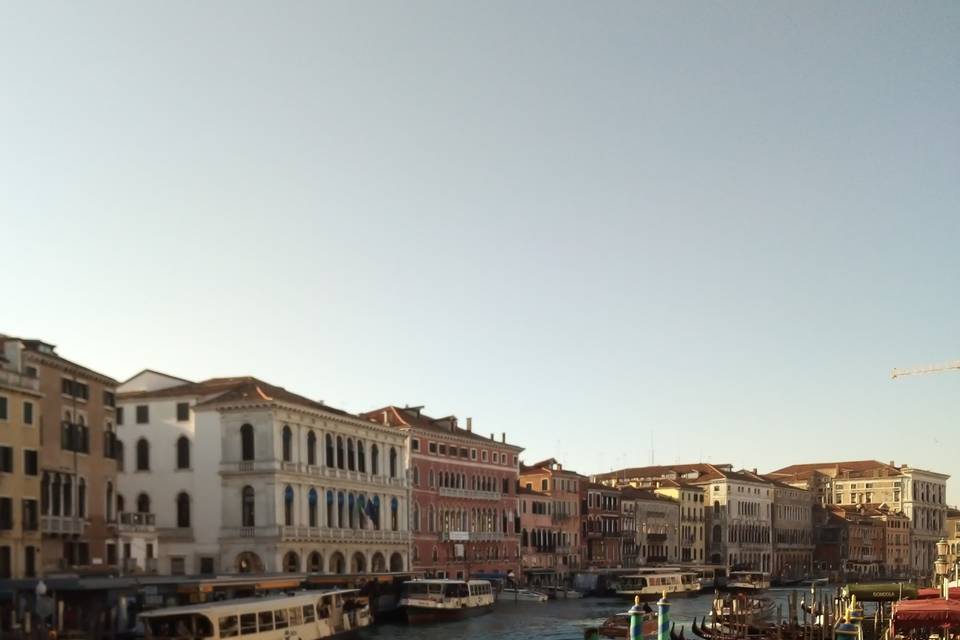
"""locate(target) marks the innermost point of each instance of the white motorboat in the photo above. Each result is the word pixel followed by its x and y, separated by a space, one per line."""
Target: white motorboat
pixel 522 595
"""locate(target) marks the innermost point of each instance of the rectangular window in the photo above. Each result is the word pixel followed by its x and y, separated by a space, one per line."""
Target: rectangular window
pixel 6 459
pixel 443 449
pixel 473 454
pixel 432 447
pixel 496 458
pixel 111 554
pixel 3 408
pixel 229 627
pixel 143 414
pixel 109 399
pixel 248 623
pixel 206 565
pixel 183 411
pixel 119 415
pixel 6 513
pixel 415 444
pixel 27 412
pixel 178 566
pixel 463 452
pixel 30 466
pixel 280 618
pixel 309 615
pixel 483 456
pixel 31 520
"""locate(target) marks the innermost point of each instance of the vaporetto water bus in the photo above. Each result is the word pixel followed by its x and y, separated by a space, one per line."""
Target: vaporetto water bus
pixel 650 584
pixel 304 615
pixel 436 600
pixel 748 581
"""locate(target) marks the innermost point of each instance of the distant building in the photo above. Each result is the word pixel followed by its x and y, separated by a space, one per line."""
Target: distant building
pixel 657 526
pixel 20 420
pixel 464 501
pixel 77 466
pixel 564 487
pixel 858 545
pixel 691 498
pixel 953 535
pixel 601 528
pixel 919 494
pixel 540 538
pixel 792 530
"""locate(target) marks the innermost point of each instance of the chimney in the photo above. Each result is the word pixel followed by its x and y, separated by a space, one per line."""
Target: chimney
pixel 892 463
pixel 385 418
pixel 469 424
pixel 491 437
pixel 503 437
pixel 754 471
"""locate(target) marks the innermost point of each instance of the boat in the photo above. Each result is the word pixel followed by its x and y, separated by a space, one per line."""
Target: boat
pixel 522 595
pixel 303 615
pixel 618 625
pixel 562 593
pixel 743 609
pixel 650 584
pixel 709 577
pixel 748 581
pixel 439 599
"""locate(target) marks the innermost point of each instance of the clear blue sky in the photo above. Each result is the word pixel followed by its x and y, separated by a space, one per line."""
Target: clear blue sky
pixel 591 225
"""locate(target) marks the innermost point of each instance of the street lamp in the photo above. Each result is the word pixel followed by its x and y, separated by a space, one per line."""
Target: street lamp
pixel 942 567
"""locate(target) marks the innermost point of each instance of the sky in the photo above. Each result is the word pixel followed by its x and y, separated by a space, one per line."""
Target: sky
pixel 619 232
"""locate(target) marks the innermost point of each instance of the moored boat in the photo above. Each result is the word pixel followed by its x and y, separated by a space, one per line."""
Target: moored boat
pixel 437 600
pixel 618 625
pixel 748 581
pixel 562 593
pixel 522 595
pixel 305 615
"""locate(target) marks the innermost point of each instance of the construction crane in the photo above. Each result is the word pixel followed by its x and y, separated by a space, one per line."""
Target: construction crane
pixel 930 368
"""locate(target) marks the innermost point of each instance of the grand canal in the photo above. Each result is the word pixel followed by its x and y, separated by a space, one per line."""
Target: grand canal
pixel 554 620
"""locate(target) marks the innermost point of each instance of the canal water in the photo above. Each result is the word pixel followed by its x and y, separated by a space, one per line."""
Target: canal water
pixel 553 620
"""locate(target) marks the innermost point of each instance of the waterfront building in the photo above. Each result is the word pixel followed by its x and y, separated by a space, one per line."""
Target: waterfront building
pixel 20 419
pixel 897 542
pixel 792 530
pixel 601 527
pixel 565 487
pixel 248 477
pixel 656 526
pixel 692 517
pixel 858 544
pixel 540 536
pixel 740 505
pixel 464 494
pixel 918 493
pixel 77 466
pixel 953 536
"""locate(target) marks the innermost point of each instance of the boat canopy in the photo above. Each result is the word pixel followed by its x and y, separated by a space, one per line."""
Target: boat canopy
pixel 881 591
pixel 925 614
pixel 928 594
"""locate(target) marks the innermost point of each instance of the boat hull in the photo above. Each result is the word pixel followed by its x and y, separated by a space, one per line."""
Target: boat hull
pixel 428 615
pixel 648 596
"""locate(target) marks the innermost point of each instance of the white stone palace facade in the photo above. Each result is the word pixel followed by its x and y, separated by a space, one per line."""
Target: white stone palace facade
pixel 249 477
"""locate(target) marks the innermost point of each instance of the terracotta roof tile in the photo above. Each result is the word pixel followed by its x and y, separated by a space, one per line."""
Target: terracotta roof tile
pixel 413 417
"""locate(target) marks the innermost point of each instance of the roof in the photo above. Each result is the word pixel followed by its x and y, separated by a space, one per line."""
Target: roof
pixel 47 350
pixel 632 493
pixel 414 418
pixel 244 388
pixel 240 602
pixel 602 487
pixel 656 471
pixel 837 469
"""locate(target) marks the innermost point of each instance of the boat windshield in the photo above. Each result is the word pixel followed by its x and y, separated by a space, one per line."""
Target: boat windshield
pixel 456 590
pixel 192 626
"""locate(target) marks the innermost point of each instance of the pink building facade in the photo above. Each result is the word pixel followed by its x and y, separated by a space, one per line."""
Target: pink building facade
pixel 464 509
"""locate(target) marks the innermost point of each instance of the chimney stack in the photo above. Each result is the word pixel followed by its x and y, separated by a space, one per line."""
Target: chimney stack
pixel 491 437
pixel 469 424
pixel 503 437
pixel 384 417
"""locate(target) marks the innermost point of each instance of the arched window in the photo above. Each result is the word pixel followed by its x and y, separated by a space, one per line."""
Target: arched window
pixel 246 442
pixel 393 462
pixel 311 449
pixel 329 441
pixel 119 451
pixel 396 562
pixel 350 459
pixel 312 504
pixel 524 540
pixel 82 498
pixel 374 460
pixel 247 510
pixel 288 506
pixel 415 517
pixel 183 452
pixel 143 455
pixel 394 509
pixel 416 476
pixel 351 509
pixel 121 503
pixel 361 457
pixel 716 508
pixel 143 503
pixel 341 505
pixel 183 510
pixel 291 562
pixel 376 512
pixel 315 562
pixel 287 444
pixel 340 464
pixel 330 522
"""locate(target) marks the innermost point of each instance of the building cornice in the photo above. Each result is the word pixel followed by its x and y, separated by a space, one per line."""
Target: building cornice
pixel 66 366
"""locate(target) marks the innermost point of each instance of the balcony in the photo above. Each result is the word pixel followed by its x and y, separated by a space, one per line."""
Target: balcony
pixel 133 566
pixel 132 522
pixel 66 525
pixel 449 492
pixel 472 536
pixel 315 534
pixel 656 537
pixel 20 380
pixel 559 517
pixel 312 471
